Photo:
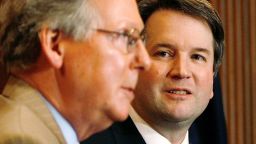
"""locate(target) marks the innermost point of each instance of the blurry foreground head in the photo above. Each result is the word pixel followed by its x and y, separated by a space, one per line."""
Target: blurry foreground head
pixel 83 56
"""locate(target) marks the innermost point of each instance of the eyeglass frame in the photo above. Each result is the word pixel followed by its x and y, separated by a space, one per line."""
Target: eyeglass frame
pixel 132 40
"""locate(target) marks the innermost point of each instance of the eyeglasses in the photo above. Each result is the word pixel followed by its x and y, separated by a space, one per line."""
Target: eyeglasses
pixel 128 37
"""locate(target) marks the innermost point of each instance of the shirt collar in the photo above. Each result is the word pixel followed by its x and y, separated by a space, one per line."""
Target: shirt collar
pixel 150 135
pixel 66 129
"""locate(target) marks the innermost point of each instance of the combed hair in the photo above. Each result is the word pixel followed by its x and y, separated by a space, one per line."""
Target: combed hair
pixel 20 42
pixel 201 9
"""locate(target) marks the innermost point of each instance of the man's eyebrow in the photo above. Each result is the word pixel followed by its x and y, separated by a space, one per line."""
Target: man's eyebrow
pixel 171 46
pixel 162 44
pixel 204 50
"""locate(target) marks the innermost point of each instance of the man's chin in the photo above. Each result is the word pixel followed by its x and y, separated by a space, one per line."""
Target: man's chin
pixel 119 116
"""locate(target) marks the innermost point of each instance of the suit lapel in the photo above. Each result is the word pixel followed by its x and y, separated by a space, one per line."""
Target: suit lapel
pixel 127 133
pixel 21 92
pixel 119 133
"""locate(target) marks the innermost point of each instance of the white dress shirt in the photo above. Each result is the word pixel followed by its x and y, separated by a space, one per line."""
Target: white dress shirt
pixel 149 135
pixel 66 129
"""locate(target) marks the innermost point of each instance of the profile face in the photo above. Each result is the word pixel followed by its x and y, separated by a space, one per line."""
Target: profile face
pixel 103 77
pixel 179 83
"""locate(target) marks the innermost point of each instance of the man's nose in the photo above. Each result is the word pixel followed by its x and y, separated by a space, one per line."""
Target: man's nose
pixel 179 68
pixel 142 60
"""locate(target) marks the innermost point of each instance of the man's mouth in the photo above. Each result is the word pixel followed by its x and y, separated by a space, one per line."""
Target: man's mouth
pixel 179 92
pixel 129 91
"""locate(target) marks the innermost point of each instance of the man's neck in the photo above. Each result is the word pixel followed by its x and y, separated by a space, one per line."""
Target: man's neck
pixel 173 132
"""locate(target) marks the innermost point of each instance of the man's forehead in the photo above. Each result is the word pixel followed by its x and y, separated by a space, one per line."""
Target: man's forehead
pixel 119 13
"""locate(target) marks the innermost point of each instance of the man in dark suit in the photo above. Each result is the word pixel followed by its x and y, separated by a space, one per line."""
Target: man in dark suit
pixel 184 39
pixel 199 133
pixel 210 126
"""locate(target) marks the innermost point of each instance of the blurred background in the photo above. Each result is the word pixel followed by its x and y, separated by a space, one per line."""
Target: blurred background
pixel 238 70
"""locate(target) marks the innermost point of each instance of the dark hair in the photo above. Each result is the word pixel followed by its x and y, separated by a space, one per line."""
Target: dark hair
pixel 201 9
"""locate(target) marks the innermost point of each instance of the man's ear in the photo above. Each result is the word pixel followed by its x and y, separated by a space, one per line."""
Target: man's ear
pixel 51 47
pixel 212 94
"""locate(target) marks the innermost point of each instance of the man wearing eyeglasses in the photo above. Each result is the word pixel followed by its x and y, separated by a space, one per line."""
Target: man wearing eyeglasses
pixel 74 65
pixel 185 41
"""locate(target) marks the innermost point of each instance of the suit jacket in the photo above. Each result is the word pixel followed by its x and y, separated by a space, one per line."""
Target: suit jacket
pixel 119 133
pixel 209 128
pixel 24 116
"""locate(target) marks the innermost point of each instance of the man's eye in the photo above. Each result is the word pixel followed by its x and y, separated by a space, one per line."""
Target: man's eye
pixel 131 41
pixel 163 54
pixel 118 37
pixel 198 57
pixel 122 38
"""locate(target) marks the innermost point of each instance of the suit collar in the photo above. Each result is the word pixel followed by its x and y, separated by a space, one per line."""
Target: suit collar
pixel 127 133
pixel 19 91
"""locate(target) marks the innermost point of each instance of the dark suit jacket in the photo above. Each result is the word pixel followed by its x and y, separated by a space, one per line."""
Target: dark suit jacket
pixel 119 133
pixel 209 128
